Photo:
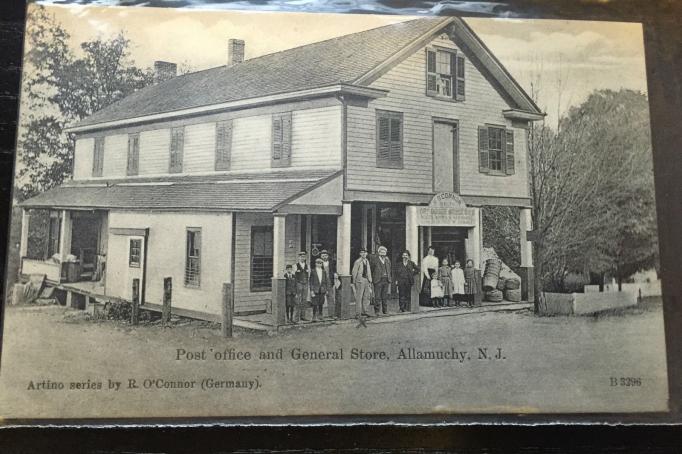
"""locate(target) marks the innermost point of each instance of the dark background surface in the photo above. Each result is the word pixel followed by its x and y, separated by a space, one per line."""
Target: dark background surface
pixel 663 41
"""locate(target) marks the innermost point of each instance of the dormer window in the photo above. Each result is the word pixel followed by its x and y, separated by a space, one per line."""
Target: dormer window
pixel 445 73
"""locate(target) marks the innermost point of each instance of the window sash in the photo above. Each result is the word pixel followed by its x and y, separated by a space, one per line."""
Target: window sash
pixel 261 258
pixel 135 253
pixel 193 258
pixel 495 147
pixel 442 74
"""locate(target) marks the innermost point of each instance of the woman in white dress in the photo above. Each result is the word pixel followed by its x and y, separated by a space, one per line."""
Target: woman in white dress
pixel 457 283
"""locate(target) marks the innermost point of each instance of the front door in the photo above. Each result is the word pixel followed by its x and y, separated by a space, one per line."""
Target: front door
pixel 445 159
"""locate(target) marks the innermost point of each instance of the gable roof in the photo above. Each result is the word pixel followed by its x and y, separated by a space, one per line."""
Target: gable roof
pixel 348 60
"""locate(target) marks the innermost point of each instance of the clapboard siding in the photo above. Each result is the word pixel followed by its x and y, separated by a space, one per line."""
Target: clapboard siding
pixel 316 142
pixel 115 155
pixel 82 158
pixel 406 85
pixel 154 152
pixel 244 299
pixel 316 137
pixel 199 148
pixel 166 252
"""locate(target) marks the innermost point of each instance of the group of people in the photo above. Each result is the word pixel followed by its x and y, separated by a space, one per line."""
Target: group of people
pixel 320 283
pixel 372 276
pixel 443 285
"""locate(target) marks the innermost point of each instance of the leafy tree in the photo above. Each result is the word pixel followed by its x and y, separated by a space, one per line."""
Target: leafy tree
pixel 592 188
pixel 62 87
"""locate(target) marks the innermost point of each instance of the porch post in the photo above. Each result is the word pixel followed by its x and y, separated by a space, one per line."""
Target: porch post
pixel 476 239
pixel 343 259
pixel 278 244
pixel 412 245
pixel 278 298
pixel 25 219
pixel 526 270
pixel 65 235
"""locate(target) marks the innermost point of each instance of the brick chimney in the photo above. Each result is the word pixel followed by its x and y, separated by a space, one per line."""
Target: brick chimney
pixel 164 71
pixel 235 51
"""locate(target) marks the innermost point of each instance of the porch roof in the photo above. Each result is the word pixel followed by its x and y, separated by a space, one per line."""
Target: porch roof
pixel 236 192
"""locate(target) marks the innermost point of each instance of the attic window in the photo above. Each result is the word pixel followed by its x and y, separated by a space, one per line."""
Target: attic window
pixel 445 74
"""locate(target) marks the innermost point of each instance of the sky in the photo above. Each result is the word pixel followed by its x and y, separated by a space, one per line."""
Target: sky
pixel 561 61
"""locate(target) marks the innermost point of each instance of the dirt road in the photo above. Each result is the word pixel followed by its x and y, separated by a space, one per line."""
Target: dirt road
pixel 55 365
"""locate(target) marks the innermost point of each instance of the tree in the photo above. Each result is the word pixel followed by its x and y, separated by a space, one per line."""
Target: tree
pixel 62 87
pixel 592 190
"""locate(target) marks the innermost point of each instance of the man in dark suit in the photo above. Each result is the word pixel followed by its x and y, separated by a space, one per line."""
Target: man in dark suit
pixel 382 277
pixel 290 293
pixel 330 268
pixel 405 272
pixel 302 274
pixel 319 284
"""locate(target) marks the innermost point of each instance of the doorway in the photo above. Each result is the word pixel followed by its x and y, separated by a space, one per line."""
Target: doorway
pixel 445 156
pixel 449 242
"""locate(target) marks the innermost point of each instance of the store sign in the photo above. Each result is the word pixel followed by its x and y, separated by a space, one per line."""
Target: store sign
pixel 447 209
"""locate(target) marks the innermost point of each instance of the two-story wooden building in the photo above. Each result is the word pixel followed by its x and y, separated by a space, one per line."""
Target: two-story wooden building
pixel 395 136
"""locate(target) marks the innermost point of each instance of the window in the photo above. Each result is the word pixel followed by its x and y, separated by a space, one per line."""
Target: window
pixel 445 74
pixel 133 154
pixel 98 157
pixel 176 149
pixel 223 145
pixel 496 150
pixel 389 139
pixel 135 252
pixel 53 232
pixel 281 140
pixel 193 258
pixel 261 258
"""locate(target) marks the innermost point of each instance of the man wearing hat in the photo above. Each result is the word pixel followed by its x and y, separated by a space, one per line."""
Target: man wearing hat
pixel 381 274
pixel 319 283
pixel 302 274
pixel 330 269
pixel 362 280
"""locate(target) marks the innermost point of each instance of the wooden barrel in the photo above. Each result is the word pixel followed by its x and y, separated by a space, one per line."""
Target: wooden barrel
pixel 512 284
pixel 494 296
pixel 513 295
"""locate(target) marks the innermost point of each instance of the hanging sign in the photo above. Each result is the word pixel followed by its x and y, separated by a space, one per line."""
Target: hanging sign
pixel 446 209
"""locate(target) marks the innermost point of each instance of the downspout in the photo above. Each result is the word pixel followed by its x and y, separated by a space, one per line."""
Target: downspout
pixel 143 284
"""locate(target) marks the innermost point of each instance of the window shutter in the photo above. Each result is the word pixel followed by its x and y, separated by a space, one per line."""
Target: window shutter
pixel 176 149
pixel 483 153
pixel 458 77
pixel 281 140
pixel 133 154
pixel 383 140
pixel 286 139
pixel 509 152
pixel 431 77
pixel 223 145
pixel 396 145
pixel 98 157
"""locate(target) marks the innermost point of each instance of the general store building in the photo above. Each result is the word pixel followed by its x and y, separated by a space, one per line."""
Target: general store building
pixel 395 136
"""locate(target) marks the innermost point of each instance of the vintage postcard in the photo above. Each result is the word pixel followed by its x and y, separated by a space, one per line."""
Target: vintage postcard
pixel 238 214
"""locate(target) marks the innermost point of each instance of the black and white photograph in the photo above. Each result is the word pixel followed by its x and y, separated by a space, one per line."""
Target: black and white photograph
pixel 236 214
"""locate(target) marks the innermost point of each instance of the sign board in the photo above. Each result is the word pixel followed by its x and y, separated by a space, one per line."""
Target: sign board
pixel 446 209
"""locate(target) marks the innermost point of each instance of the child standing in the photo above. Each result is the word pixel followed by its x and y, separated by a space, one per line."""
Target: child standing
pixel 470 284
pixel 458 283
pixel 290 292
pixel 445 281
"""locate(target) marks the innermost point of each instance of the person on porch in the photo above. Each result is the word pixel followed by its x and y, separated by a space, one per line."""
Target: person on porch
pixel 290 291
pixel 362 281
pixel 330 268
pixel 319 284
pixel 381 275
pixel 429 267
pixel 405 272
pixel 302 274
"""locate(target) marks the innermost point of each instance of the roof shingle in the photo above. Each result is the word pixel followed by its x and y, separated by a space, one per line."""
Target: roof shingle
pixel 338 60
